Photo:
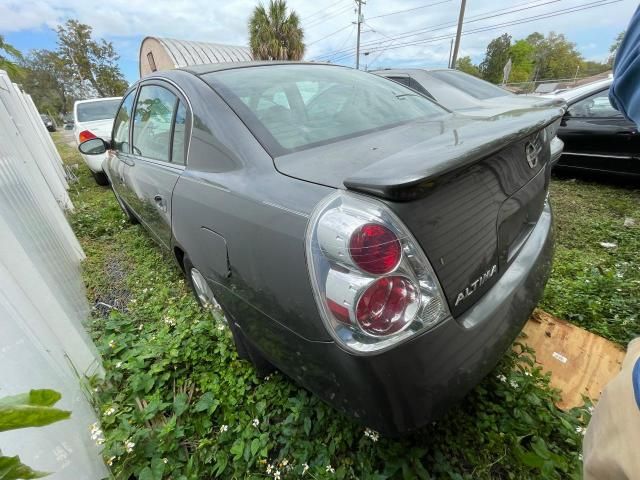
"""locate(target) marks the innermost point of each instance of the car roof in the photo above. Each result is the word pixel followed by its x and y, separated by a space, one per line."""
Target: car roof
pixel 91 100
pixel 409 70
pixel 219 67
pixel 584 90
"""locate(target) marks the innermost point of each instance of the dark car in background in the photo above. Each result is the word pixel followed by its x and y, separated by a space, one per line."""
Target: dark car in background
pixel 376 248
pixel 49 123
pixel 469 95
pixel 597 137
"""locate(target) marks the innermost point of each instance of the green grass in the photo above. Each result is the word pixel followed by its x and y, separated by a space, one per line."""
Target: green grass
pixel 595 287
pixel 176 402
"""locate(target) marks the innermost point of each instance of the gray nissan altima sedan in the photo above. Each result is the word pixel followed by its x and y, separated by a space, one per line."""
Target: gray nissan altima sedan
pixel 380 250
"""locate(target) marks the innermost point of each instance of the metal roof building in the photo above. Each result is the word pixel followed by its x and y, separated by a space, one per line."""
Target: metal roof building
pixel 167 53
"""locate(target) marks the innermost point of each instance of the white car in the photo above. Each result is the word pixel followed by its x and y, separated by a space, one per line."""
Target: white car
pixel 94 118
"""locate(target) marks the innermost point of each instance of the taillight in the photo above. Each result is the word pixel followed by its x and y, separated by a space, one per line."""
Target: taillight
pixel 85 135
pixel 373 283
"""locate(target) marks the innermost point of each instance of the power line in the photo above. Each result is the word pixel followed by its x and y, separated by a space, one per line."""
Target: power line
pixel 353 29
pixel 321 20
pixel 322 10
pixel 330 35
pixel 592 5
pixel 408 9
pixel 472 19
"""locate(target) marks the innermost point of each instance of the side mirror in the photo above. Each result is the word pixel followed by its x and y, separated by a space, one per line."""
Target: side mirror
pixel 93 146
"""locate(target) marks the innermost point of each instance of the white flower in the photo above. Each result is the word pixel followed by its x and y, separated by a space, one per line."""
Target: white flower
pixel 220 327
pixel 224 428
pixel 305 467
pixel 513 384
pixel 590 409
pixel 502 378
pixel 165 460
pixel 580 456
pixel 276 474
pixel 118 365
pixel 99 441
pixel 133 300
pixel 110 461
pixel 140 327
pixel 527 373
pixel 581 430
pixel 255 422
pixel 372 434
pixel 330 469
pixel 110 411
pixel 170 321
pixel 145 290
pixel 267 378
pixel 181 282
pixel 269 468
pixel 128 446
pixel 112 343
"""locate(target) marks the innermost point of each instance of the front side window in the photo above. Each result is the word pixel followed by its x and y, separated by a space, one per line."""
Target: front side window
pixel 152 122
pixel 597 105
pixel 122 124
pixel 292 107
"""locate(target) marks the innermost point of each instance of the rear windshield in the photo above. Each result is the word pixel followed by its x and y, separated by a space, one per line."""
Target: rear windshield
pixel 102 110
pixel 293 107
pixel 469 84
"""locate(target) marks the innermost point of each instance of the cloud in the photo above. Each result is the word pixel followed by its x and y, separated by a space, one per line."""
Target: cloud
pixel 125 22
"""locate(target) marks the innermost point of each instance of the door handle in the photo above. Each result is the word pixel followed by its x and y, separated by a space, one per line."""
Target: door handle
pixel 160 203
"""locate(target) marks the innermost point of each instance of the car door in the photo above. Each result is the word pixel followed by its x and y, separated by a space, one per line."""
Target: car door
pixel 596 136
pixel 119 156
pixel 159 142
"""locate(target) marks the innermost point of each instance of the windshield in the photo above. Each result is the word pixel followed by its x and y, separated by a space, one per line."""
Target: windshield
pixel 99 110
pixel 292 107
pixel 469 84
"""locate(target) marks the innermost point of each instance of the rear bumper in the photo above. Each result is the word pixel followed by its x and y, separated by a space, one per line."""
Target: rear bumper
pixel 557 146
pixel 94 162
pixel 408 386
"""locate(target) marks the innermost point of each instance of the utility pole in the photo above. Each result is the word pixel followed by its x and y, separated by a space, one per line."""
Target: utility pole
pixel 359 22
pixel 454 57
pixel 450 53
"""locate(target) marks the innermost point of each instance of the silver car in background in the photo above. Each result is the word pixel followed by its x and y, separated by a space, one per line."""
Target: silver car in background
pixel 469 95
pixel 94 118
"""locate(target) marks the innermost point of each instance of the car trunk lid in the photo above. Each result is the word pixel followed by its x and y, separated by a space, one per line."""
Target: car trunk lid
pixel 470 191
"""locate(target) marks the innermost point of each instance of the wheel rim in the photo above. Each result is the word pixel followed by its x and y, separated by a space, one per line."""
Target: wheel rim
pixel 203 292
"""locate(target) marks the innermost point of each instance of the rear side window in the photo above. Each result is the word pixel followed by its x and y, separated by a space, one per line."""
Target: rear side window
pixel 292 107
pixel 469 84
pixel 179 135
pixel 122 124
pixel 101 110
pixel 595 106
pixel 152 122
pixel 403 80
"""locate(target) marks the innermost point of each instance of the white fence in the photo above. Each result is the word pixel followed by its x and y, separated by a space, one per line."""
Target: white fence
pixel 43 343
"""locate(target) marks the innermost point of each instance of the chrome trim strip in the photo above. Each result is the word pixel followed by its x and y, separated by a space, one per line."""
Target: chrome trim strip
pixel 622 157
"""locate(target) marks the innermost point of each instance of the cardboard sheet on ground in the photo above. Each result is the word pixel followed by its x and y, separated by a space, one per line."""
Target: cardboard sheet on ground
pixel 580 362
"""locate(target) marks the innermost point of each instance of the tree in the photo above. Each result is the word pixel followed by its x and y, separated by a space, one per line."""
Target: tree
pixel 495 59
pixel 522 55
pixel 275 34
pixel 555 57
pixel 464 64
pixel 9 56
pixel 50 81
pixel 613 49
pixel 94 62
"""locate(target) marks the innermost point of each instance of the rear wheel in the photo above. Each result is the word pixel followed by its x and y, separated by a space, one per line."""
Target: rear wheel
pixel 207 300
pixel 100 178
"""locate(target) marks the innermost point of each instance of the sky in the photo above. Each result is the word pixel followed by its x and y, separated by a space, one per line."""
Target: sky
pixel 426 25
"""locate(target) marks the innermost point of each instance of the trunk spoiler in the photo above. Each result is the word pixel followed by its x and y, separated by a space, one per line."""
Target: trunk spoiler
pixel 411 176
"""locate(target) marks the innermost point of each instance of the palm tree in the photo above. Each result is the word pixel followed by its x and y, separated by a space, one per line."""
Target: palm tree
pixel 274 34
pixel 7 50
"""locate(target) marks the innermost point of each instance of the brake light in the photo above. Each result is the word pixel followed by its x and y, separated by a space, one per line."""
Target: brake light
pixel 85 135
pixel 375 248
pixel 372 282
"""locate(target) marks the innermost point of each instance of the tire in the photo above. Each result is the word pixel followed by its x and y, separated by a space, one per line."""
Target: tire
pixel 207 301
pixel 100 178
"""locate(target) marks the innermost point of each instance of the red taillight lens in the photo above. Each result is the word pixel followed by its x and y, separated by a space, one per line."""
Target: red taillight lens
pixel 375 249
pixel 387 306
pixel 85 135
